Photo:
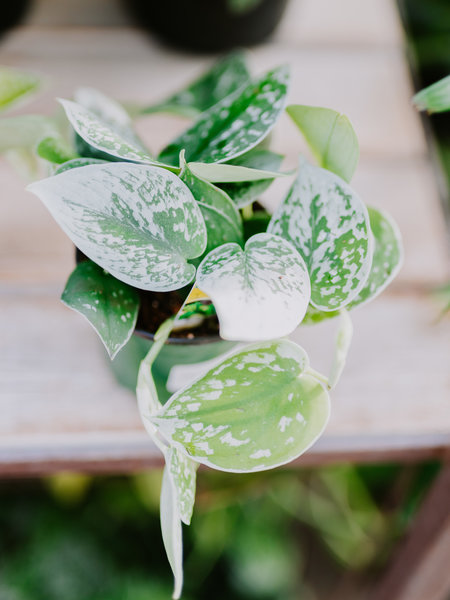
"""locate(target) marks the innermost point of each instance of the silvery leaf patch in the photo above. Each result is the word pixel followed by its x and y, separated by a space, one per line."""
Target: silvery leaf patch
pixel 258 409
pixel 222 219
pixel 140 223
pixel 110 306
pixel 75 163
pixel 102 137
pixel 260 292
pixel 225 76
pixel 235 124
pixel 329 225
pixel 183 471
pixel 330 136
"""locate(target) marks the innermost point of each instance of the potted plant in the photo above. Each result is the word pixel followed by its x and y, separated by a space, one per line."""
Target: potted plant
pixel 179 245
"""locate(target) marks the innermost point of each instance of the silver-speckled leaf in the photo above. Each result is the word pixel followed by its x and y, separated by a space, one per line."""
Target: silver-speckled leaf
pixel 171 530
pixel 329 225
pixel 183 470
pixel 138 222
pixel 222 219
pixel 102 137
pixel 258 409
pixel 330 136
pixel 15 86
pixel 235 124
pixel 245 192
pixel 225 76
pixel 110 305
pixel 259 293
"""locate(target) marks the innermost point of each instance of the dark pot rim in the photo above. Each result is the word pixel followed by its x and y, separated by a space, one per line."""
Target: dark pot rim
pixel 182 341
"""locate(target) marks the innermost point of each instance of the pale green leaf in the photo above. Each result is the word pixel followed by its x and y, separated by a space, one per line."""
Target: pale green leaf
pixel 330 136
pixel 225 173
pixel 102 137
pixel 329 225
pixel 110 306
pixel 258 409
pixel 225 76
pixel 222 219
pixel 434 98
pixel 55 149
pixel 75 163
pixel 171 530
pixel 342 346
pixel 15 86
pixel 25 131
pixel 235 124
pixel 183 471
pixel 138 222
pixel 259 293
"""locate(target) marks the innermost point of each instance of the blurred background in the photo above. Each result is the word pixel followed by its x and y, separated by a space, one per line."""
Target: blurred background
pixel 293 534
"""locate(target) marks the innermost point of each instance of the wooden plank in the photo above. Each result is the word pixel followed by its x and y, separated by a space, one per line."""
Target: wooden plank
pixel 420 568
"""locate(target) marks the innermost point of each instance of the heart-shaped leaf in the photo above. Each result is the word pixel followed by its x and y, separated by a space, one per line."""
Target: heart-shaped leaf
pixel 110 305
pixel 15 86
pixel 226 76
pixel 243 193
pixel 258 409
pixel 259 293
pixel 222 219
pixel 330 136
pixel 235 124
pixel 386 262
pixel 435 97
pixel 102 137
pixel 138 222
pixel 329 225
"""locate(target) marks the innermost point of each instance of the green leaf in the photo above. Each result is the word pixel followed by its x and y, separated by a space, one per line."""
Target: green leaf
pixel 55 150
pixel 222 219
pixel 235 124
pixel 25 131
pixel 183 471
pixel 434 98
pixel 330 136
pixel 226 76
pixel 102 137
pixel 225 173
pixel 259 293
pixel 387 256
pixel 15 86
pixel 110 306
pixel 171 530
pixel 342 346
pixel 75 163
pixel 138 222
pixel 244 193
pixel 329 225
pixel 258 409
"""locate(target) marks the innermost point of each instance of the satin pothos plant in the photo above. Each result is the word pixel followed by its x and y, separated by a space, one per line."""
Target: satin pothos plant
pixel 188 219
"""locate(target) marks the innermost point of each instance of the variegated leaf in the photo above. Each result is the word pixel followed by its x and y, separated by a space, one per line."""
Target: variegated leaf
pixel 15 86
pixel 183 471
pixel 171 530
pixel 330 136
pixel 225 76
pixel 75 163
pixel 245 192
pixel 259 293
pixel 235 124
pixel 329 225
pixel 138 222
pixel 258 409
pixel 342 346
pixel 110 306
pixel 222 219
pixel 102 137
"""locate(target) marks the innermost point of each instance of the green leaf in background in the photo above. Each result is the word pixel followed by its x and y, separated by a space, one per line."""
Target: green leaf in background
pixel 243 193
pixel 222 219
pixel 102 137
pixel 171 530
pixel 434 98
pixel 226 76
pixel 55 150
pixel 75 163
pixel 110 305
pixel 138 222
pixel 234 420
pixel 261 292
pixel 329 225
pixel 235 124
pixel 330 136
pixel 16 86
pixel 26 131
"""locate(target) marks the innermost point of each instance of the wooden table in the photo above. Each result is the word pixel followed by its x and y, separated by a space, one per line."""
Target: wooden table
pixel 59 405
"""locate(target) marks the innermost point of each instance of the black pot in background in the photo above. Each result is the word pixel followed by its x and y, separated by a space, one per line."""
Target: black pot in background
pixel 208 25
pixel 11 13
